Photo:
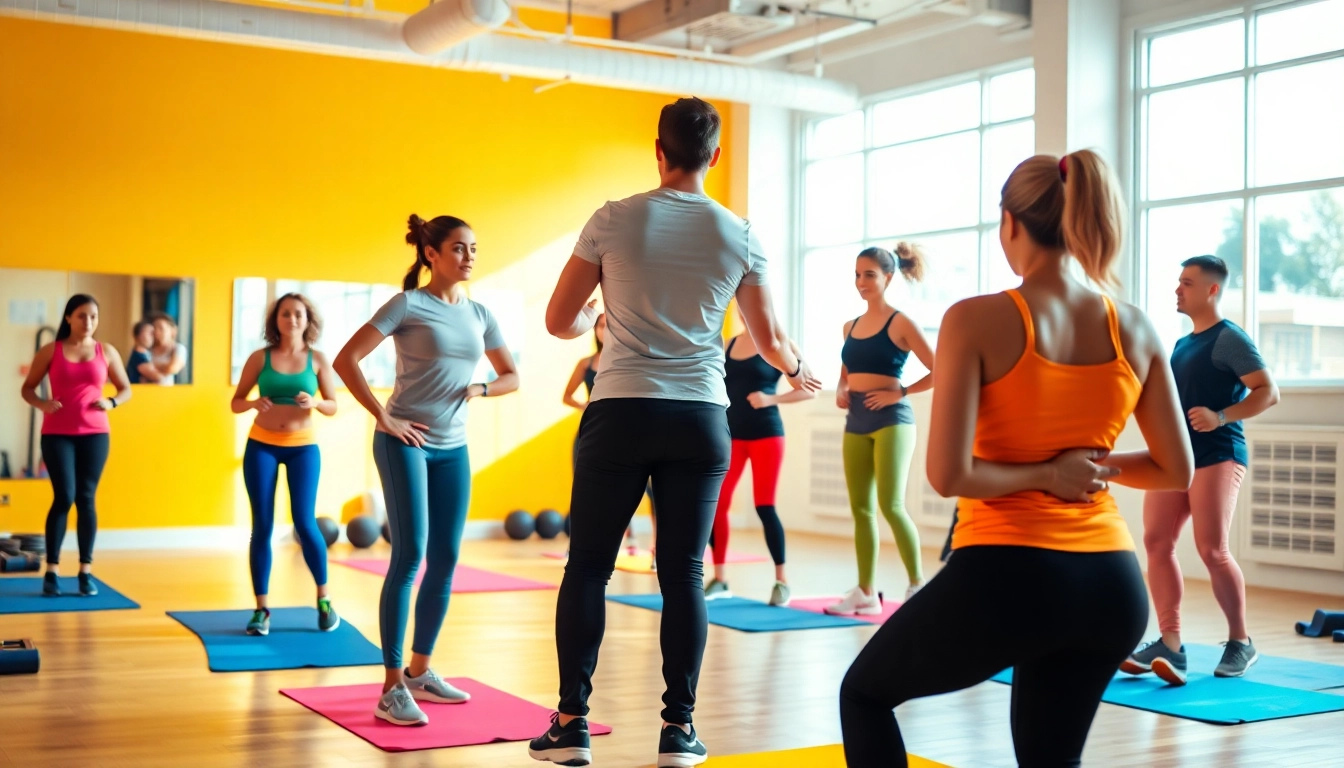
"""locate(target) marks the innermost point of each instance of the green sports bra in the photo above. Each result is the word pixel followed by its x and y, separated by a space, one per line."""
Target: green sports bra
pixel 282 388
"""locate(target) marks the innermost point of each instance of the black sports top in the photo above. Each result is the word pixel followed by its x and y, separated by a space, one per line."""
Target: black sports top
pixel 741 378
pixel 874 354
pixel 590 377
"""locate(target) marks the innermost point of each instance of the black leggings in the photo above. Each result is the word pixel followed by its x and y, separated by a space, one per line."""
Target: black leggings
pixel 1063 620
pixel 75 464
pixel 683 447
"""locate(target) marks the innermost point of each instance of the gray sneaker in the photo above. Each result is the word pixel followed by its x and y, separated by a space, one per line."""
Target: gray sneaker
pixel 780 594
pixel 1237 658
pixel 716 589
pixel 399 708
pixel 1157 658
pixel 431 687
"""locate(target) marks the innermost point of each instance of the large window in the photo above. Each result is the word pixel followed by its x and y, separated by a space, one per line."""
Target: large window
pixel 1241 139
pixel 925 167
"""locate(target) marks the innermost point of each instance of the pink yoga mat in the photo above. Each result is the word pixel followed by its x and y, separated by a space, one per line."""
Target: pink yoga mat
pixel 818 605
pixel 491 715
pixel 465 578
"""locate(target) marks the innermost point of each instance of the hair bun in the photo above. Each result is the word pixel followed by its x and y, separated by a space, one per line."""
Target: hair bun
pixel 416 230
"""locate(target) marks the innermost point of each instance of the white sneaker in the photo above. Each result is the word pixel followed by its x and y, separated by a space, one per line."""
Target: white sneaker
pixel 912 589
pixel 856 603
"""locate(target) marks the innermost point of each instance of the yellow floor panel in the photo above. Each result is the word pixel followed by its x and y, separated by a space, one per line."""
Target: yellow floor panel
pixel 814 757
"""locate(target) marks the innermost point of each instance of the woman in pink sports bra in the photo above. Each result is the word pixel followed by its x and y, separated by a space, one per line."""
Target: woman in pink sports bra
pixel 75 428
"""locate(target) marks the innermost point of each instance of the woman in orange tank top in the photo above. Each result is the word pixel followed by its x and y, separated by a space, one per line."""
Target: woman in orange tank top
pixel 1034 387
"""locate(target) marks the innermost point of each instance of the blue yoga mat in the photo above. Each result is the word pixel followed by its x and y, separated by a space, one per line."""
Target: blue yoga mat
pixel 24 595
pixel 750 615
pixel 1275 687
pixel 294 642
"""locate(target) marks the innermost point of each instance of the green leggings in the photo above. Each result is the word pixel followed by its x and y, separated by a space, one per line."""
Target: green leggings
pixel 884 455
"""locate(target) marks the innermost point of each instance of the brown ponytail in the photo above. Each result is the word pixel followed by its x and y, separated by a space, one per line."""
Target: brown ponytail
pixel 426 234
pixel 1072 203
pixel 908 260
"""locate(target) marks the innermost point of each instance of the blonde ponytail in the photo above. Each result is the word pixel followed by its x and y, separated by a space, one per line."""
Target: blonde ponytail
pixel 1093 223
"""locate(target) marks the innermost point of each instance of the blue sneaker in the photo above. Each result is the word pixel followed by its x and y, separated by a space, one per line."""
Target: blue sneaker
pixel 51 585
pixel 569 745
pixel 87 586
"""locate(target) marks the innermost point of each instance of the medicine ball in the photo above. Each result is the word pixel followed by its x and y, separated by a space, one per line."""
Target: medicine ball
pixel 549 524
pixel 519 524
pixel 363 531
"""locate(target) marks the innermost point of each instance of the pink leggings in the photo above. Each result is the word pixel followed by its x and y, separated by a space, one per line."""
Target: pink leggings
pixel 1210 501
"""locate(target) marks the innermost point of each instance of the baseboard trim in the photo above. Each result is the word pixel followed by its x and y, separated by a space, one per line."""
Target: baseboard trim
pixel 224 537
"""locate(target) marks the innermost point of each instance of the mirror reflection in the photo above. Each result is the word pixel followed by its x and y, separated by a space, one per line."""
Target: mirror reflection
pixel 149 320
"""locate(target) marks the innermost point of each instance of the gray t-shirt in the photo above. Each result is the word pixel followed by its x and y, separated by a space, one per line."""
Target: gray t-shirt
pixel 671 262
pixel 438 346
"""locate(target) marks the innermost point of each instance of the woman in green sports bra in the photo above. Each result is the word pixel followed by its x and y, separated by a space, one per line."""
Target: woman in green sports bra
pixel 283 434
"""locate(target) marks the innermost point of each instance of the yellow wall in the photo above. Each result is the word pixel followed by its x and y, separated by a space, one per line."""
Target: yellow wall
pixel 130 153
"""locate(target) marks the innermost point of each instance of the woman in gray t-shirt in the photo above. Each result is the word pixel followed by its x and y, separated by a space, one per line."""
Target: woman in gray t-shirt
pixel 420 446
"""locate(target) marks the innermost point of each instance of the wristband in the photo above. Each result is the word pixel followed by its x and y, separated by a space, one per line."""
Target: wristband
pixel 485 389
pixel 904 390
pixel 797 370
pixel 1222 418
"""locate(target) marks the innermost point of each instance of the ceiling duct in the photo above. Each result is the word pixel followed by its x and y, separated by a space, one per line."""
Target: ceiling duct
pixel 387 40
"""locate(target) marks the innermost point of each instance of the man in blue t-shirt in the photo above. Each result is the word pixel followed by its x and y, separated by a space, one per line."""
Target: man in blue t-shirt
pixel 1222 381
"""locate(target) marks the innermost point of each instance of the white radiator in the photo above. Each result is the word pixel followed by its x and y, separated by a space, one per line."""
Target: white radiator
pixel 1289 503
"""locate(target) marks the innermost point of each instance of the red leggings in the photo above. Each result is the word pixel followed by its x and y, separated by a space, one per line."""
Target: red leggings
pixel 766 455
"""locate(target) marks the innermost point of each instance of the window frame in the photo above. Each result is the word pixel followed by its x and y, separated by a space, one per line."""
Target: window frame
pixel 868 105
pixel 1249 193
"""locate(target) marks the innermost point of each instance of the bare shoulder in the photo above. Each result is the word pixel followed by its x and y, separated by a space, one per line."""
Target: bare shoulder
pixel 319 357
pixel 110 352
pixel 849 325
pixel 981 311
pixel 1136 330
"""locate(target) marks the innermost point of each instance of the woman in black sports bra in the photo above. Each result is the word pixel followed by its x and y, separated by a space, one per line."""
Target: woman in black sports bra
pixel 757 432
pixel 880 426
pixel 585 374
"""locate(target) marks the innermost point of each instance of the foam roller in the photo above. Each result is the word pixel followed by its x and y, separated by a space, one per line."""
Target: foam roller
pixel 18 657
pixel 1322 624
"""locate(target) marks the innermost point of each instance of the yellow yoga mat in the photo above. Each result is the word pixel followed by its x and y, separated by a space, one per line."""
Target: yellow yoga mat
pixel 814 757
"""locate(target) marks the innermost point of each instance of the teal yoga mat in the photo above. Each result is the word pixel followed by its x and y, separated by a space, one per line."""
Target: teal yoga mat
pixel 750 615
pixel 1275 687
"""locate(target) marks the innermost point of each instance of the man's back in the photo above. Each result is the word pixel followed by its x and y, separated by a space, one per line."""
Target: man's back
pixel 671 263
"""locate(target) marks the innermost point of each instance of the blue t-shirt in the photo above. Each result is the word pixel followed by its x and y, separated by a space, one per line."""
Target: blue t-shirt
pixel 1208 367
pixel 133 364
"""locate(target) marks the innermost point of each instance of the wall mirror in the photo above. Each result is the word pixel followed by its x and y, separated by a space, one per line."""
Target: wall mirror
pixel 149 320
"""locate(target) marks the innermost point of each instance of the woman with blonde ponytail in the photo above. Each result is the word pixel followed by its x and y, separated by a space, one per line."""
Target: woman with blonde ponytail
pixel 420 446
pixel 1034 386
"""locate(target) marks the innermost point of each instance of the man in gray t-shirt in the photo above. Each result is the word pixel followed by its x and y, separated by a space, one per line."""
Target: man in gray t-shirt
pixel 669 262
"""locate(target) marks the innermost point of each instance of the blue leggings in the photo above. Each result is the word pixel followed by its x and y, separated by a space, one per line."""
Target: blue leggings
pixel 261 466
pixel 426 491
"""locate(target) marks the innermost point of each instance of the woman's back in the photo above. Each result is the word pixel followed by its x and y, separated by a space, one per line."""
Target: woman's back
pixel 1056 375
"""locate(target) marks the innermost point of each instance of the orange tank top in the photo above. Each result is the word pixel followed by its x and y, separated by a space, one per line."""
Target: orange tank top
pixel 1038 410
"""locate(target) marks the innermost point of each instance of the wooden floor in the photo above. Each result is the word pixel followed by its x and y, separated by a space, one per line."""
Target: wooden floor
pixel 131 688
